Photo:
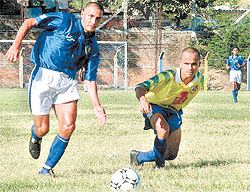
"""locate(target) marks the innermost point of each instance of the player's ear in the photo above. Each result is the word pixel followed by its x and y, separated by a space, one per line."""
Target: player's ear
pixel 200 62
pixel 180 62
pixel 82 13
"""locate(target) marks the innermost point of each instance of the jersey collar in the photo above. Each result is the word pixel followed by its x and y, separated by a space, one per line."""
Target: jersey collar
pixel 178 76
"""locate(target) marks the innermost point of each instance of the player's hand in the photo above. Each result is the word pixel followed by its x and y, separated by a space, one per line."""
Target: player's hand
pixel 13 53
pixel 145 107
pixel 80 75
pixel 101 115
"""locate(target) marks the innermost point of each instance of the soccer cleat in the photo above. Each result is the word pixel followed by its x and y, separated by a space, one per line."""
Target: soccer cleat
pixel 158 168
pixel 133 158
pixel 34 148
pixel 47 172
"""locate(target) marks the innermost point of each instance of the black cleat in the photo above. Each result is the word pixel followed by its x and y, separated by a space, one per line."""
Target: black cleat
pixel 159 164
pixel 133 158
pixel 35 148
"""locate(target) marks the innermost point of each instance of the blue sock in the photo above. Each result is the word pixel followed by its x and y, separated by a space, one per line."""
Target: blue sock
pixel 159 150
pixel 235 93
pixel 148 156
pixel 56 151
pixel 34 135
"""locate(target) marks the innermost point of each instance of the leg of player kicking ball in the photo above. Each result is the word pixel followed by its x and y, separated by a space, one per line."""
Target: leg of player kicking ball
pixel 162 131
pixel 172 148
pixel 159 123
pixel 66 114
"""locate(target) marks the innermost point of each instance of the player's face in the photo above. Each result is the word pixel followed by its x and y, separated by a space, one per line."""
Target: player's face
pixel 190 63
pixel 91 18
pixel 235 51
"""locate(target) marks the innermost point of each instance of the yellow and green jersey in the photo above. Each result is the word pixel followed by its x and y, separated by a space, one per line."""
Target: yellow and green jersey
pixel 166 89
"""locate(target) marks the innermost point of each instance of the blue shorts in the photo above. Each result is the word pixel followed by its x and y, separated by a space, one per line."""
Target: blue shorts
pixel 173 117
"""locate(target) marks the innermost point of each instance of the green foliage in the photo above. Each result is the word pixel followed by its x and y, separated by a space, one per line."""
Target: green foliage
pixel 228 2
pixel 113 5
pixel 78 4
pixel 227 35
pixel 145 8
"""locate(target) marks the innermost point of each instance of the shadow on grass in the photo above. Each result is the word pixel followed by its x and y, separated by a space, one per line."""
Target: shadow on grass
pixel 204 163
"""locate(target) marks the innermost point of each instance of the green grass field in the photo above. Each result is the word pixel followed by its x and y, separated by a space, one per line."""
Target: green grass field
pixel 214 153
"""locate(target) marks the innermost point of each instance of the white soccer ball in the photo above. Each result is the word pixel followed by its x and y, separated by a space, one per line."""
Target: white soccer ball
pixel 125 179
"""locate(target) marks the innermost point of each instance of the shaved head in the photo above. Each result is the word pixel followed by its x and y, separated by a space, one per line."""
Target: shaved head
pixel 191 50
pixel 94 4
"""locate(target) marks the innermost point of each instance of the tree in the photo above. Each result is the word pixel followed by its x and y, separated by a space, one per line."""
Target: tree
pixel 228 35
pixel 179 8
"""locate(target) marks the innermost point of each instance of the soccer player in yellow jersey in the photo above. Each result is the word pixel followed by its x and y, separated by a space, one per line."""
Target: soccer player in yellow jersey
pixel 162 98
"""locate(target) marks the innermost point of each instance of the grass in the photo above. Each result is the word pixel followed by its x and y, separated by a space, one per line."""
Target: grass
pixel 214 153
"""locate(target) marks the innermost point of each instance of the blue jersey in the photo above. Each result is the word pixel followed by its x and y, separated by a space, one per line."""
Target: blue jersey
pixel 232 62
pixel 62 45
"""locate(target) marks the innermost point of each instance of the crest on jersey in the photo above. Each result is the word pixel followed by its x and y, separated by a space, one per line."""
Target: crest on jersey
pixel 87 49
pixel 69 37
pixel 194 89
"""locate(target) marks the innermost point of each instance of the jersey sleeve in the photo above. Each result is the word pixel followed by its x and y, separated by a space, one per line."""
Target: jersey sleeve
pixel 49 21
pixel 241 60
pixel 156 82
pixel 93 62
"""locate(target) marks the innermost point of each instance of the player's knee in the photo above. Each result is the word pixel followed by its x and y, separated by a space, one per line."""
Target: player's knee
pixel 68 128
pixel 42 130
pixel 162 125
pixel 163 129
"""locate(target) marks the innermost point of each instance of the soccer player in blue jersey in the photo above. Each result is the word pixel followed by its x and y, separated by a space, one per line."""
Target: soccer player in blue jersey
pixel 234 64
pixel 65 45
pixel 162 98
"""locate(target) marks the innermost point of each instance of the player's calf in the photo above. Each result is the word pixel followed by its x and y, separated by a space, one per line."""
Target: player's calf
pixel 34 144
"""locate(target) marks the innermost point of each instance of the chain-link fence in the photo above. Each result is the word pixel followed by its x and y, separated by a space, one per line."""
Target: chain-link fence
pixel 112 70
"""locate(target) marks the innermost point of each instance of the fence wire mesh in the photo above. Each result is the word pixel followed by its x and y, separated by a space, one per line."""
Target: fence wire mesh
pixel 111 73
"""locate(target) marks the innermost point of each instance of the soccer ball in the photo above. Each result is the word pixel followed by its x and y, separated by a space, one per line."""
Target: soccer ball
pixel 125 179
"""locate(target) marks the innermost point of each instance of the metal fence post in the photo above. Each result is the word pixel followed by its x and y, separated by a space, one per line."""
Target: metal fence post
pixel 161 61
pixel 206 71
pixel 248 73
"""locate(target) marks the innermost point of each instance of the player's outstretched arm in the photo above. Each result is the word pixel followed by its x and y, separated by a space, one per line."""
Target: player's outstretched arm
pixel 93 93
pixel 13 52
pixel 144 107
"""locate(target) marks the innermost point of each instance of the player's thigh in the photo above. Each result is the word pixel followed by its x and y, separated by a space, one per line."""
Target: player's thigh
pixel 173 144
pixel 66 114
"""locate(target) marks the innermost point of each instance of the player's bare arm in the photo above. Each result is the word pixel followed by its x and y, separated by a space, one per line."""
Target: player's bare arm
pixel 13 52
pixel 144 107
pixel 99 110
